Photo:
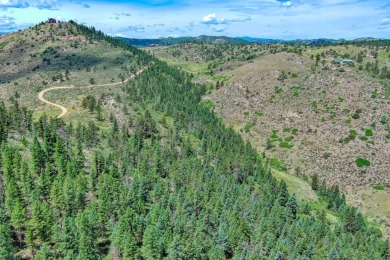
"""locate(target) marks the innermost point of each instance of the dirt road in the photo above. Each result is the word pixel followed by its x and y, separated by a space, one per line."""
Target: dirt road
pixel 64 109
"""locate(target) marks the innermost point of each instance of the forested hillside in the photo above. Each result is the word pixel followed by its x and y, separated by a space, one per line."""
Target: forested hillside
pixel 166 181
pixel 306 110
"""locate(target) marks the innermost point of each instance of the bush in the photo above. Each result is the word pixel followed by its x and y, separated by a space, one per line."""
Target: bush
pixel 362 162
pixel 369 132
pixel 274 134
pixel 286 145
pixel 378 187
pixel 356 116
pixel 259 113
pixel 363 138
pixel 289 139
pixel 247 128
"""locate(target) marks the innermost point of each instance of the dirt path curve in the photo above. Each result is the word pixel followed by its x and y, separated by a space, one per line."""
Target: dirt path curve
pixel 41 98
pixel 64 109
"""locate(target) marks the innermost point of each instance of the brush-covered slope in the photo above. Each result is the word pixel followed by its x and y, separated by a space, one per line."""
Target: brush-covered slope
pixel 52 55
pixel 167 181
pixel 314 116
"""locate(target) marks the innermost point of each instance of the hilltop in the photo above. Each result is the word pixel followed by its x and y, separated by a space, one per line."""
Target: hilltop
pixel 51 55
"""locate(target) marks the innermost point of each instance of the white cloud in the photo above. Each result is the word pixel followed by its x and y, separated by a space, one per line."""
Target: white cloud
pixel 13 4
pixel 212 19
pixel 7 23
pixel 40 4
pixel 385 21
pixel 134 28
pixel 287 4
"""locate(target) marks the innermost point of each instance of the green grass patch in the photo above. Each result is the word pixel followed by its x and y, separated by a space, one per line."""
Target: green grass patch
pixel 363 138
pixel 287 130
pixel 3 44
pixel 289 139
pixel 348 121
pixel 286 145
pixel 246 113
pixel 341 99
pixel 360 162
pixel 278 164
pixel 295 131
pixel 378 187
pixel 207 104
pixel 374 94
pixel 274 140
pixel 259 113
pixel 346 110
pixel 247 128
pixel 278 90
pixel 274 134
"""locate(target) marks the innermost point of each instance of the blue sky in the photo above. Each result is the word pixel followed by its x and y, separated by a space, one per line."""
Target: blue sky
pixel 282 19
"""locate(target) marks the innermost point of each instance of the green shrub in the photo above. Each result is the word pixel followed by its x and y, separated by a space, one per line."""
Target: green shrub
pixel 274 134
pixel 362 162
pixel 348 121
pixel 346 110
pixel 294 131
pixel 363 138
pixel 289 139
pixel 246 113
pixel 369 132
pixel 248 128
pixel 286 145
pixel 378 187
pixel 279 139
pixel 287 130
pixel 356 116
pixel 278 164
pixel 3 44
pixel 259 113
pixel 278 90
pixel 341 99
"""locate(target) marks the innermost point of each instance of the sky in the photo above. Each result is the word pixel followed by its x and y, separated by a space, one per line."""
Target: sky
pixel 277 19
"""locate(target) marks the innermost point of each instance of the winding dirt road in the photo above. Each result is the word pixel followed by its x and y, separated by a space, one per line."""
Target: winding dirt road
pixel 64 110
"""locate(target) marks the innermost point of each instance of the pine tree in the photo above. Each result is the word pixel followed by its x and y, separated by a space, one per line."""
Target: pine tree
pixel 176 249
pixel 6 247
pixel 151 243
pixel 314 182
pixel 44 253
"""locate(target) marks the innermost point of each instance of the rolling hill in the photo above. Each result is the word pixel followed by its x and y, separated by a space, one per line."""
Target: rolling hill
pixel 313 116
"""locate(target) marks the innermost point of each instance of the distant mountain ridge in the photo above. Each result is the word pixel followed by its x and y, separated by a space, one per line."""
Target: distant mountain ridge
pixel 173 40
pixel 230 40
